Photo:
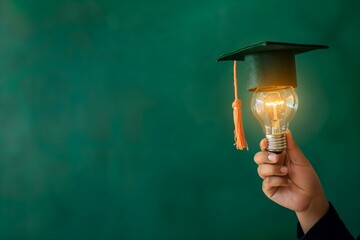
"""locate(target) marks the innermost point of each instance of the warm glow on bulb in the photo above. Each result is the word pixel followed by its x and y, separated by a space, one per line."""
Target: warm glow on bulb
pixel 274 103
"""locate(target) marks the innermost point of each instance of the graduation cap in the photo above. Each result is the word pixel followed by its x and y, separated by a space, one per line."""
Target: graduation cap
pixel 270 65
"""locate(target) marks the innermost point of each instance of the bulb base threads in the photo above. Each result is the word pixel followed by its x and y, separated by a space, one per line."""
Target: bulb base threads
pixel 276 143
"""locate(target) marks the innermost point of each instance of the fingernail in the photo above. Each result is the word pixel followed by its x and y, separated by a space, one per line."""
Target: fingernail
pixel 284 169
pixel 272 157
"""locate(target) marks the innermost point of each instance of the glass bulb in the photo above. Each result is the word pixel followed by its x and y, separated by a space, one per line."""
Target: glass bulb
pixel 274 109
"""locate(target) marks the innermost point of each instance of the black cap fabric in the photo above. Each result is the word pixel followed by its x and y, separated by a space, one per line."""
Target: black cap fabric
pixel 270 64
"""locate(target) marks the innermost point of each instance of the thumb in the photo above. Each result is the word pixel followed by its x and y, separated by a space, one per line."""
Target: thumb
pixel 290 143
pixel 293 151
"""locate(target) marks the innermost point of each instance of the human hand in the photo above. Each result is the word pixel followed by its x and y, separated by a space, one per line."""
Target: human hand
pixel 290 181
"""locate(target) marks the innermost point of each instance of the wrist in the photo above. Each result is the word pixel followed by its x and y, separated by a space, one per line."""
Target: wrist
pixel 313 213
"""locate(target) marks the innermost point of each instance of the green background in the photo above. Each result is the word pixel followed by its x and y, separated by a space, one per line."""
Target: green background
pixel 116 121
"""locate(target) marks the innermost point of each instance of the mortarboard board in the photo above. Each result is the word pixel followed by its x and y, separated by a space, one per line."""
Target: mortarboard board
pixel 271 65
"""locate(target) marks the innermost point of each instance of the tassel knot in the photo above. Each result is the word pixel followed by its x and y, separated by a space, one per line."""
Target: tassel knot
pixel 237 104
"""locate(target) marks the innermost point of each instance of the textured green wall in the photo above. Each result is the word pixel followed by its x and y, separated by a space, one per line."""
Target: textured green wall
pixel 116 121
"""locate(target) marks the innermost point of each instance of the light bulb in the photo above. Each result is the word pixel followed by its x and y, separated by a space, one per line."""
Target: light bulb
pixel 274 108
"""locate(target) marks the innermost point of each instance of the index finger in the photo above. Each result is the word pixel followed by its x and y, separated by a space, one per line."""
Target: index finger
pixel 264 157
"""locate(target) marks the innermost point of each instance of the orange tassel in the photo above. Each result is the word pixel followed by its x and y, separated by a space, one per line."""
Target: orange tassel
pixel 239 136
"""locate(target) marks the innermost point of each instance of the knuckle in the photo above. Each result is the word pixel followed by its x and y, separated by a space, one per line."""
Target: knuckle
pixel 260 157
pixel 257 157
pixel 259 170
pixel 265 184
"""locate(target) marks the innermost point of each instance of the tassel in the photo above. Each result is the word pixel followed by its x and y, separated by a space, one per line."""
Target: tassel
pixel 239 136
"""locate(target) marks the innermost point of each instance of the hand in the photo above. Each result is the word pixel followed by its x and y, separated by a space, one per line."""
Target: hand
pixel 290 181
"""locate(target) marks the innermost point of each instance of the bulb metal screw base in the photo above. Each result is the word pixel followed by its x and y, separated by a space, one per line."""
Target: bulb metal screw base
pixel 276 143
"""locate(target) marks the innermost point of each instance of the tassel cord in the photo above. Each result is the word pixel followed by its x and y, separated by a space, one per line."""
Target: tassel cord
pixel 239 136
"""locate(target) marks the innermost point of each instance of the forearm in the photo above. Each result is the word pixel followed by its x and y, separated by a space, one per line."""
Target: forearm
pixel 330 226
pixel 313 213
